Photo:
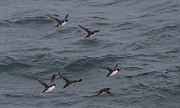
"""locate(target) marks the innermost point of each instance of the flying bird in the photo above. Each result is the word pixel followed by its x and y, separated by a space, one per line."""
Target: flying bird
pixel 60 22
pixel 68 82
pixel 50 87
pixel 112 71
pixel 104 90
pixel 90 33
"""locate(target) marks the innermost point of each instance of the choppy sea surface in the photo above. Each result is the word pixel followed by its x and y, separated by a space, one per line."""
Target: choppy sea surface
pixel 141 36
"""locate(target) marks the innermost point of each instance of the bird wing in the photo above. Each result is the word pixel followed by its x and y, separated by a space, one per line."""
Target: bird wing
pixel 43 83
pixel 74 81
pixel 54 18
pixel 116 66
pixel 64 78
pixel 87 30
pixel 108 92
pixel 107 68
pixel 108 74
pixel 53 79
pixel 99 92
pixel 95 31
pixel 66 17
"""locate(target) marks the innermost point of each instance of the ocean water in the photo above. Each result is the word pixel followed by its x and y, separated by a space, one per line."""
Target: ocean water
pixel 142 36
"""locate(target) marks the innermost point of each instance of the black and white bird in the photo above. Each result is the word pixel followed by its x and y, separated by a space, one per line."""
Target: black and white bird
pixel 104 90
pixel 60 22
pixel 90 33
pixel 68 82
pixel 112 71
pixel 50 87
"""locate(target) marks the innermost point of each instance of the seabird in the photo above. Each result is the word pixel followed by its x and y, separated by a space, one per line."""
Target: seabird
pixel 113 71
pixel 104 90
pixel 50 87
pixel 90 33
pixel 60 22
pixel 68 82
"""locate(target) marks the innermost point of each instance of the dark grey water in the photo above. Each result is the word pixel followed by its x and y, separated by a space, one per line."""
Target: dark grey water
pixel 142 36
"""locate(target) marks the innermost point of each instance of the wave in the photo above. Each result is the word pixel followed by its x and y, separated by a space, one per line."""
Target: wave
pixel 39 49
pixel 143 74
pixel 87 42
pixel 5 23
pixel 9 64
pixel 133 68
pixel 13 66
pixel 21 95
pixel 91 63
pixel 103 4
pixel 163 7
pixel 125 25
pixel 161 30
pixel 28 21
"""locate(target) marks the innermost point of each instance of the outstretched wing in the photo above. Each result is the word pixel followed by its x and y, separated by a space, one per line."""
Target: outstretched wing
pixel 107 68
pixel 116 66
pixel 43 83
pixel 95 31
pixel 53 79
pixel 108 92
pixel 99 92
pixel 77 80
pixel 66 17
pixel 54 18
pixel 87 30
pixel 64 78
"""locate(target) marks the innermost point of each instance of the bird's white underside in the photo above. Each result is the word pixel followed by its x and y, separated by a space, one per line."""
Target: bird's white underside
pixel 50 89
pixel 113 73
